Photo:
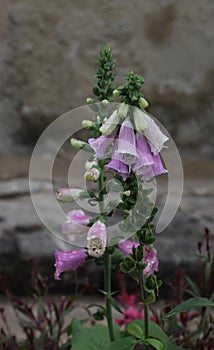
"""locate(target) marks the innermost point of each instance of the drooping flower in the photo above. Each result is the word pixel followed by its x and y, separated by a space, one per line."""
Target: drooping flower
pixel 92 174
pixel 68 260
pixel 76 222
pixel 96 239
pixel 123 110
pixel 155 169
pixel 110 124
pixel 154 135
pixel 144 155
pixel 70 194
pixel 126 247
pixel 101 143
pixel 118 166
pixel 151 260
pixel 126 146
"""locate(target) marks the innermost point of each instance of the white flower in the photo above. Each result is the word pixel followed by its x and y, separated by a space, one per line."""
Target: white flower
pixel 110 124
pixel 154 135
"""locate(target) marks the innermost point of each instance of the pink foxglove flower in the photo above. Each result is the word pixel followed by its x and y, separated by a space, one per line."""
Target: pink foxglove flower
pixel 118 166
pixel 126 147
pixel 126 247
pixel 96 239
pixel 150 257
pixel 76 222
pixel 68 260
pixel 154 135
pixel 155 169
pixel 101 144
pixel 151 260
pixel 144 155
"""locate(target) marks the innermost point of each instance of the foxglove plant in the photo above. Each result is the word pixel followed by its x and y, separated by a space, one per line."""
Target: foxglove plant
pixel 127 143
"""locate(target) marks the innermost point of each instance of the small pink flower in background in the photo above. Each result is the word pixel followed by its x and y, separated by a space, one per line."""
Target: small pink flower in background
pixel 92 174
pixel 96 239
pixel 151 260
pixel 68 260
pixel 126 247
pixel 76 222
pixel 150 257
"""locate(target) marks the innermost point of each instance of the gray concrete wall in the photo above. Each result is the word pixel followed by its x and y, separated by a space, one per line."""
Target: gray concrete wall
pixel 53 46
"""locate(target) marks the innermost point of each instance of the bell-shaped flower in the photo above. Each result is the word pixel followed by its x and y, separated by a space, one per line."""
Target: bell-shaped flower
pixel 101 143
pixel 70 194
pixel 110 124
pixel 96 239
pixel 148 172
pixel 68 260
pixel 123 110
pixel 144 156
pixel 154 135
pixel 150 258
pixel 139 120
pixel 126 247
pixel 76 222
pixel 119 167
pixel 126 147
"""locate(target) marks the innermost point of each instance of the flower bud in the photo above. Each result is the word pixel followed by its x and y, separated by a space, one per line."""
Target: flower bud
pixel 78 144
pixel 92 174
pixel 90 164
pixel 87 124
pixel 116 93
pixel 69 194
pixel 140 120
pixel 105 102
pixel 123 110
pixel 126 193
pixel 143 103
pixel 90 100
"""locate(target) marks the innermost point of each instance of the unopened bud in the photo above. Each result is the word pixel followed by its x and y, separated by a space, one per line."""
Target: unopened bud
pixel 87 124
pixel 92 174
pixel 104 102
pixel 123 110
pixel 143 103
pixel 116 93
pixel 90 100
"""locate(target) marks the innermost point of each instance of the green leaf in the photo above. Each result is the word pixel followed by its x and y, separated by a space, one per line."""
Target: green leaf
pixel 91 338
pixel 155 331
pixel 193 286
pixel 192 303
pixel 115 305
pixel 155 343
pixel 122 344
pixel 135 330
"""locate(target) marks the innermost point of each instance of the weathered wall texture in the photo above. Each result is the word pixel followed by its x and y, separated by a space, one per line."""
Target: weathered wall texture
pixel 53 47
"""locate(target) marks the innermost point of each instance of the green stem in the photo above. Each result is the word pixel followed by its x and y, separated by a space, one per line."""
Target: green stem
pixel 145 305
pixel 107 265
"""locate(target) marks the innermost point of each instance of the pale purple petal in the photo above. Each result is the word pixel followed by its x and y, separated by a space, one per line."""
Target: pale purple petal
pixel 144 155
pixel 126 247
pixel 96 239
pixel 120 168
pixel 155 169
pixel 126 147
pixel 154 135
pixel 68 260
pixel 101 144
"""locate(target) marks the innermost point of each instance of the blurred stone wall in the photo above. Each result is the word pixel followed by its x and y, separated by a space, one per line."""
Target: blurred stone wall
pixel 51 51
